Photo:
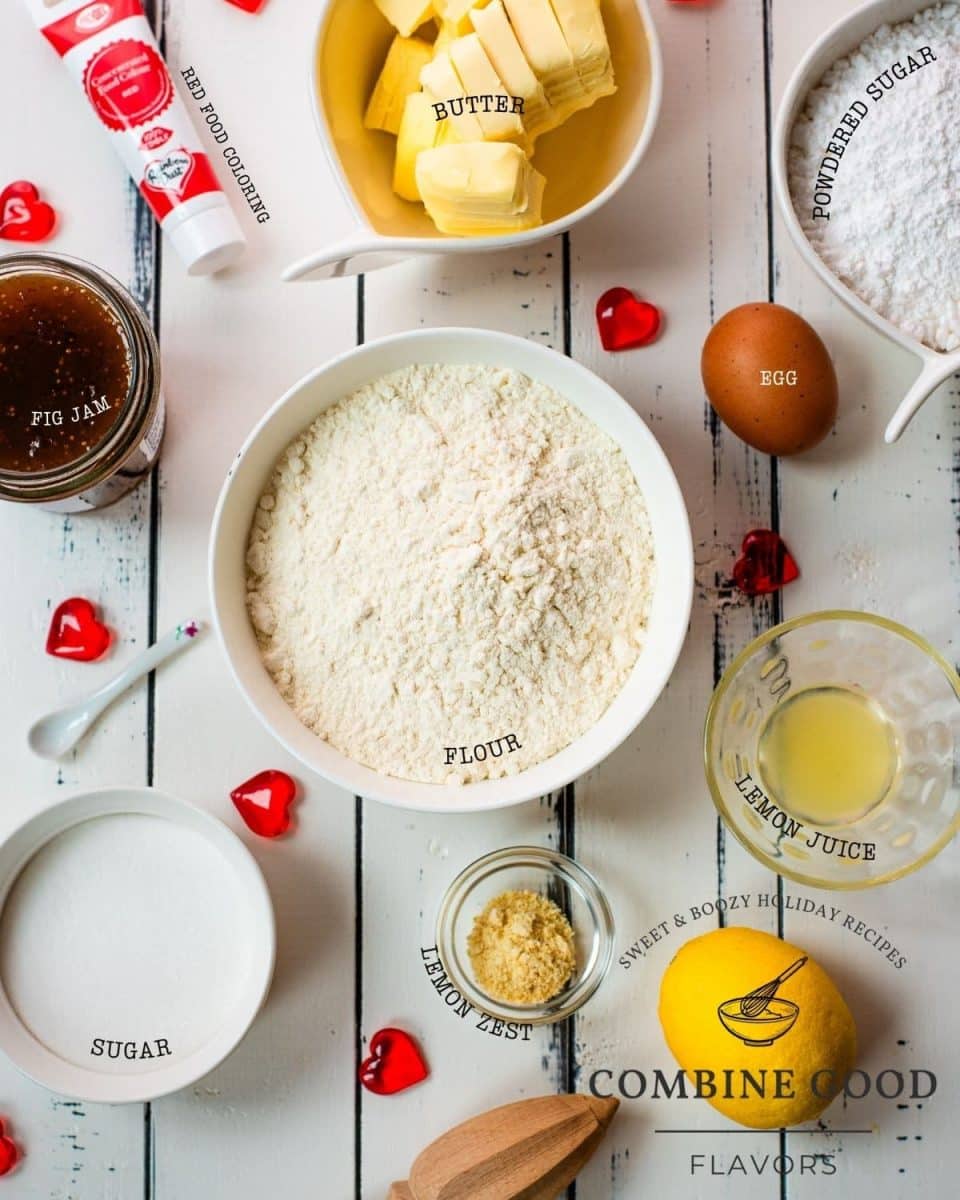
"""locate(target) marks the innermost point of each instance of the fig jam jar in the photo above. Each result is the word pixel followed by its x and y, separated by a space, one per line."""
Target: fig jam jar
pixel 81 414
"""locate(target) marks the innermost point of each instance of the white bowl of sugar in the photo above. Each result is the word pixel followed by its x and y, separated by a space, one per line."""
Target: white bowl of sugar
pixel 607 424
pixel 137 945
pixel 855 185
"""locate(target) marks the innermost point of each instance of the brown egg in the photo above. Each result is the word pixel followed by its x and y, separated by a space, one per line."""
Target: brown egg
pixel 770 379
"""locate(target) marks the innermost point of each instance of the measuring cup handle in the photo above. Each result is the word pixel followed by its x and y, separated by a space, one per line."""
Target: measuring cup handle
pixel 934 372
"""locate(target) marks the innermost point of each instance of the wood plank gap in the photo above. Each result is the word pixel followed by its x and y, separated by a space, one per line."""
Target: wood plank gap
pixel 712 422
pixel 566 294
pixel 768 119
pixel 148 234
pixel 784 1185
pixel 153 581
pixel 566 1032
pixel 567 814
pixel 721 869
pixel 148 1156
pixel 358 895
pixel 147 282
pixel 771 253
pixel 777 598
pixel 361 309
pixel 566 820
pixel 147 272
pixel 358 995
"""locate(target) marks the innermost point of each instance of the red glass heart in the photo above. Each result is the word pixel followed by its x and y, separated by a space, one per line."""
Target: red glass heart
pixel 264 802
pixel 624 321
pixel 765 564
pixel 76 633
pixel 394 1064
pixel 24 217
pixel 250 6
pixel 9 1152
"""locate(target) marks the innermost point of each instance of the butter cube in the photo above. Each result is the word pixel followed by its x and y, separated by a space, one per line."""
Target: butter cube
pixel 480 188
pixel 447 134
pixel 541 39
pixel 406 15
pixel 447 31
pixel 442 83
pixel 495 109
pixel 500 42
pixel 400 76
pixel 453 16
pixel 583 29
pixel 418 131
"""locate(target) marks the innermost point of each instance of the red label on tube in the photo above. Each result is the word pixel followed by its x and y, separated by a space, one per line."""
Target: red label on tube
pixel 128 84
pixel 174 176
pixel 70 31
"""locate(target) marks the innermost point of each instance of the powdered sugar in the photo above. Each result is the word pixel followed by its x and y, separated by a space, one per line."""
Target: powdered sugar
pixel 451 557
pixel 875 173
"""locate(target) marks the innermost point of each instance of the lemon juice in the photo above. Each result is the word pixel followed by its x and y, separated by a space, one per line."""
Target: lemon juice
pixel 828 755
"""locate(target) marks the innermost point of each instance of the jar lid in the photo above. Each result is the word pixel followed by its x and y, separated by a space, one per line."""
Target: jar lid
pixel 136 945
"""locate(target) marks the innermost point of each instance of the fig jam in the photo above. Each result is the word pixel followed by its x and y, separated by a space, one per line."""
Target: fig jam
pixel 64 371
pixel 81 414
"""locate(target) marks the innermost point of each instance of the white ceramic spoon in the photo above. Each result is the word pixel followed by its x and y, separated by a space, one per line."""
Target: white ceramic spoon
pixel 57 733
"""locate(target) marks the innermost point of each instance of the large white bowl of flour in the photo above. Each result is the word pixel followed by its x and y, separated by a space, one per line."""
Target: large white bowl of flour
pixel 254 473
pixel 866 163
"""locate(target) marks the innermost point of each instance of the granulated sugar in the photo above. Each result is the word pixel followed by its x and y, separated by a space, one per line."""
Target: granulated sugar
pixel 450 573
pixel 875 173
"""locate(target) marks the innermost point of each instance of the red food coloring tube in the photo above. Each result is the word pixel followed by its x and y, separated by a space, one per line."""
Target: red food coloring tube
pixel 110 50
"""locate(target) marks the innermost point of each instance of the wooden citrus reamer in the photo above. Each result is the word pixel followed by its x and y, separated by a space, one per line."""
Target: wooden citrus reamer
pixel 529 1150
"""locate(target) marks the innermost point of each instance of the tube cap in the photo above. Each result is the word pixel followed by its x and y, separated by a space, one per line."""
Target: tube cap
pixel 209 240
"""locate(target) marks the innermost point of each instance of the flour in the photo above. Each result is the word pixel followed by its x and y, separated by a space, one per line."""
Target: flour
pixel 450 573
pixel 876 153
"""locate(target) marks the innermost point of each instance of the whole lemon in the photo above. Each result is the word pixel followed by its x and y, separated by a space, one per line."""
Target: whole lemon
pixel 758 1027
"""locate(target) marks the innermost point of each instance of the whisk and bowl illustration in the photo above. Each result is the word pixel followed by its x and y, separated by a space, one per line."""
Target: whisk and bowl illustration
pixel 761 1016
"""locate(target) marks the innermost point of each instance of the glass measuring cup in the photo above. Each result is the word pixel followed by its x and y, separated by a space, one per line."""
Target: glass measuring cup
pixel 907 701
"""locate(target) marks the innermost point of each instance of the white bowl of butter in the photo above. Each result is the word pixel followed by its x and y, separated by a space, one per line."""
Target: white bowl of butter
pixel 669 602
pixel 579 151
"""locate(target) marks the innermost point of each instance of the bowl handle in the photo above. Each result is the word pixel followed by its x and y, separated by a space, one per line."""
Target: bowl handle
pixel 351 256
pixel 935 371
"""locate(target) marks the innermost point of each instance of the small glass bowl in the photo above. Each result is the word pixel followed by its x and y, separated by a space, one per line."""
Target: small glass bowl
pixel 533 869
pixel 918 692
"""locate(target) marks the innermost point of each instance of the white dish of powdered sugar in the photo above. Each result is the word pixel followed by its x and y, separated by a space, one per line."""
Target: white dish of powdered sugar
pixel 451 570
pixel 867 171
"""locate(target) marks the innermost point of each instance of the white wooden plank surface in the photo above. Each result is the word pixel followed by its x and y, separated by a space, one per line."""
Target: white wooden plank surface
pixel 75 1149
pixel 409 858
pixel 881 537
pixel 283 1115
pixel 233 345
pixel 653 786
